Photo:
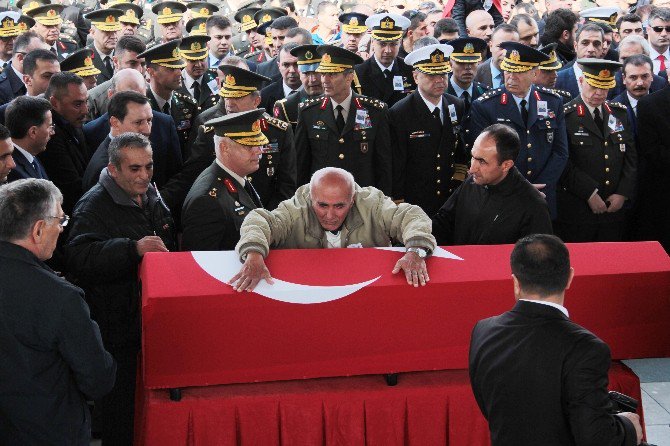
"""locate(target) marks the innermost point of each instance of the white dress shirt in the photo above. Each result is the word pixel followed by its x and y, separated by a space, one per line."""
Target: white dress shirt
pixel 346 105
pixel 551 304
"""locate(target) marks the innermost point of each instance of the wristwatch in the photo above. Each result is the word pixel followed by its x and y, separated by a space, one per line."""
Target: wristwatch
pixel 422 253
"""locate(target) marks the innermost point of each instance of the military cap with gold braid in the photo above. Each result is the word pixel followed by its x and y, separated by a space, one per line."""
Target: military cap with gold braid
pixel 431 59
pixel 553 64
pixel 335 59
pixel 264 29
pixel 353 22
pixel 243 127
pixel 387 27
pixel 114 3
pixel 80 63
pixel 194 47
pixel 520 58
pixel 28 5
pixel 599 73
pixel 601 14
pixel 239 82
pixel 106 19
pixel 467 49
pixel 308 57
pixel 246 18
pixel 166 55
pixel 202 9
pixel 268 14
pixel 132 13
pixel 9 24
pixel 197 26
pixel 48 15
pixel 168 11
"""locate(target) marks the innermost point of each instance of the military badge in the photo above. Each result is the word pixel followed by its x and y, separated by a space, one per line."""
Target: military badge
pixel 364 147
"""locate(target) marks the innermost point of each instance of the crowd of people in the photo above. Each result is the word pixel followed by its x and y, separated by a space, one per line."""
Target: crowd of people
pixel 297 124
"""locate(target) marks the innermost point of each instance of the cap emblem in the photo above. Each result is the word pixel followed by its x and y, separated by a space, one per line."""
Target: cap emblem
pixel 309 55
pixel 230 80
pixel 109 19
pixel 515 56
pixel 469 48
pixel 387 23
pixel 166 11
pixel 604 73
pixel 256 126
pixel 326 58
pixel 52 13
pixel 88 62
pixel 437 57
pixel 247 18
pixel 195 46
pixel 353 21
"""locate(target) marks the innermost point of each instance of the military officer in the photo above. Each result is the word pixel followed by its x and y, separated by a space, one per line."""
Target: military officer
pixel 47 24
pixel 105 25
pixel 601 171
pixel 467 54
pixel 12 24
pixel 200 9
pixel 81 63
pixel 245 17
pixel 131 19
pixel 264 18
pixel 547 72
pixel 170 19
pixel 308 61
pixel 198 81
pixel 425 133
pixel 164 65
pixel 536 113
pixel 353 29
pixel 197 26
pixel 385 76
pixel 221 197
pixel 275 180
pixel 342 128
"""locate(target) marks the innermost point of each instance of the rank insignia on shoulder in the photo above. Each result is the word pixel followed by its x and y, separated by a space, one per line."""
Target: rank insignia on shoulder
pixel 230 186
pixel 503 99
pixel 207 129
pixel 580 110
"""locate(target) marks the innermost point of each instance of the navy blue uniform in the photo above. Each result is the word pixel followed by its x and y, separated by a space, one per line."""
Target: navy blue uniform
pixel 544 145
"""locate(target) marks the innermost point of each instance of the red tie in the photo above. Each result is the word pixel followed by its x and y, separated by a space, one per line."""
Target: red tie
pixel 661 57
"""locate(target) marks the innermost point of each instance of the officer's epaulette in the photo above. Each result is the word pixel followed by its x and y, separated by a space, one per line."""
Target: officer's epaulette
pixel 564 93
pixel 250 55
pixel 381 105
pixel 310 102
pixel 281 125
pixel 213 71
pixel 207 128
pixel 490 94
pixel 66 38
pixel 549 90
pixel 569 108
pixel 185 98
pixel 617 105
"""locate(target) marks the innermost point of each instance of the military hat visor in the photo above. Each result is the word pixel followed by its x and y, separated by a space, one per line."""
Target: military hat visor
pixel 197 26
pixel 194 47
pixel 80 63
pixel 166 55
pixel 387 27
pixel 202 9
pixel 246 18
pixel 553 64
pixel 244 127
pixel 169 12
pixel 599 73
pixel 29 5
pixel 47 15
pixel 9 25
pixel 131 13
pixel 520 58
pixel 239 82
pixel 353 23
pixel 106 19
pixel 308 57
pixel 431 59
pixel 467 49
pixel 336 60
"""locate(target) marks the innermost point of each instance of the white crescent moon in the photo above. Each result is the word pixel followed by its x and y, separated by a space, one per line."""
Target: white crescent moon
pixel 223 265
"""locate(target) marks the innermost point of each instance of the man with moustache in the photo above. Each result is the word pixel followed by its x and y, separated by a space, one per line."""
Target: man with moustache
pixel 428 157
pixel 632 46
pixel 308 61
pixel 588 44
pixel 464 59
pixel 104 27
pixel 170 19
pixel 637 79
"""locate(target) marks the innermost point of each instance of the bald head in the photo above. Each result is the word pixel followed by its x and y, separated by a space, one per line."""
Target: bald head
pixel 332 177
pixel 128 79
pixel 479 23
pixel 332 191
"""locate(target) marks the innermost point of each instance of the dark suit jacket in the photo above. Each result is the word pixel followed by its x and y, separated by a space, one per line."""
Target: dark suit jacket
pixel 483 74
pixel 164 142
pixel 622 98
pixel 271 94
pixel 541 379
pixel 52 355
pixel 657 83
pixel 10 85
pixel 105 74
pixel 24 169
pixel 464 7
pixel 375 85
pixel 269 68
pixel 567 81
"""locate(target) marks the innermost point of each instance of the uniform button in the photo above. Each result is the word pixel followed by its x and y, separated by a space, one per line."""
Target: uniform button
pixel 438 167
pixel 439 181
pixel 530 159
pixel 581 143
pixel 607 169
pixel 269 157
pixel 605 143
pixel 438 192
pixel 529 172
pixel 607 183
pixel 529 145
pixel 467 131
pixel 341 140
pixel 317 136
pixel 438 155
pixel 528 132
pixel 607 157
pixel 341 156
pixel 452 153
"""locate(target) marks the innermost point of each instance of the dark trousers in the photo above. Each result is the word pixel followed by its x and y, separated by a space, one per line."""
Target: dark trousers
pixel 117 408
pixel 611 231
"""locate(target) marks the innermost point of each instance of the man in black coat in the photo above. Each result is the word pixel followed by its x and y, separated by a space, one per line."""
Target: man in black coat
pixel 496 204
pixel 538 377
pixel 29 122
pixel 385 76
pixel 11 79
pixel 113 225
pixel 221 197
pixel 463 8
pixel 425 127
pixel 343 129
pixel 289 84
pixel 464 59
pixel 52 355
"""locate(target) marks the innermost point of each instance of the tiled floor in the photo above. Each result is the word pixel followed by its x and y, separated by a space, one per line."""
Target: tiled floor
pixel 655 381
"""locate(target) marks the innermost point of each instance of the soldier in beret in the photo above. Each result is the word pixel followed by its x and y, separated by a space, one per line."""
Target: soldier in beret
pixel 601 172
pixel 81 63
pixel 198 81
pixel 221 197
pixel 164 65
pixel 104 26
pixel 342 128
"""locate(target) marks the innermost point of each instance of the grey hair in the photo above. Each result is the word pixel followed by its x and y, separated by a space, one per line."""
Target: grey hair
pixel 345 175
pixel 636 40
pixel 662 14
pixel 425 41
pixel 128 140
pixel 125 73
pixel 23 203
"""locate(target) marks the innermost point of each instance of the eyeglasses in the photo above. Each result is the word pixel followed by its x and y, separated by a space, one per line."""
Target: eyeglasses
pixel 659 29
pixel 63 221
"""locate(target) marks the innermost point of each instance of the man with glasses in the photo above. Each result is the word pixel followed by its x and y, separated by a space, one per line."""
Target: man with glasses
pixel 113 226
pixel 385 76
pixel 53 359
pixel 30 124
pixel 658 33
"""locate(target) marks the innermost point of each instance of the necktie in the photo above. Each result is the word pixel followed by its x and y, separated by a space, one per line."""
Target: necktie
pixel 598 119
pixel 292 92
pixel 196 91
pixel 53 50
pixel 466 98
pixel 661 57
pixel 34 164
pixel 166 108
pixel 108 64
pixel 436 113
pixel 524 112
pixel 339 119
pixel 252 193
pixel 387 73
